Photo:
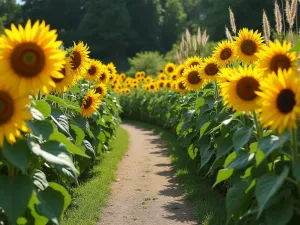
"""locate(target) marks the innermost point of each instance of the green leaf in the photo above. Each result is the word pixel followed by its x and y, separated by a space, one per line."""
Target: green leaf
pixel 280 213
pixel 199 103
pixel 192 151
pixel 242 160
pixel 267 186
pixel 204 128
pixel 15 194
pixel 57 136
pixel 61 121
pixel 237 200
pixel 38 219
pixel 40 180
pixel 296 170
pixel 17 154
pixel 53 201
pixel 64 103
pixel 241 137
pixel 42 129
pixel 270 143
pixel 296 48
pixel 55 153
pixel 43 107
pixel 89 148
pixel 224 146
pixel 36 114
pixel 223 175
pixel 79 134
pixel 230 158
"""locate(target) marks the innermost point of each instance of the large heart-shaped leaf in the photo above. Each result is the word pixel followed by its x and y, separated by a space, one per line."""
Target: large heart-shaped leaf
pixel 241 137
pixel 15 194
pixel 43 107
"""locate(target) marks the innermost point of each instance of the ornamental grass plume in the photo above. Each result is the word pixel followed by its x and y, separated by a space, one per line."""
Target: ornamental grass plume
pixel 232 21
pixel 266 27
pixel 278 18
pixel 228 34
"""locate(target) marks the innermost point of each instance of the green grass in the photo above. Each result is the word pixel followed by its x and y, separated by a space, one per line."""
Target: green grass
pixel 91 197
pixel 209 204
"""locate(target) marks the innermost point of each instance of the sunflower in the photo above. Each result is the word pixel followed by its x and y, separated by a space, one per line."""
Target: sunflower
pixel 161 84
pixel 29 59
pixel 180 85
pixel 210 69
pixel 168 84
pixel 105 75
pixel 127 91
pixel 112 78
pixel 94 70
pixel 280 100
pixel 193 80
pixel 111 68
pixel 173 85
pixel 276 56
pixel 247 44
pixel 240 93
pixel 90 103
pixel 13 114
pixel 149 79
pixel 137 75
pixel 152 86
pixel 123 76
pixel 174 77
pixel 143 74
pixel 66 82
pixel 135 86
pixel 162 76
pixel 170 68
pixel 101 89
pixel 180 70
pixel 79 60
pixel 225 74
pixel 224 53
pixel 193 61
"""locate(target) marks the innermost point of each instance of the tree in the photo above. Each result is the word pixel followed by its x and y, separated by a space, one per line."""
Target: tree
pixel 10 13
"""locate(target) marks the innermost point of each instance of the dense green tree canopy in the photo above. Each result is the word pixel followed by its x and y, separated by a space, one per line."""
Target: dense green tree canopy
pixel 118 29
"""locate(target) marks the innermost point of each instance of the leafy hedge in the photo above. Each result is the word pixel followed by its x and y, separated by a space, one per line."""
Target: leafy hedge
pixel 262 183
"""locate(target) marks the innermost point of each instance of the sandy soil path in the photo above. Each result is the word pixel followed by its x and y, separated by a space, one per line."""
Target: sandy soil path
pixel 146 191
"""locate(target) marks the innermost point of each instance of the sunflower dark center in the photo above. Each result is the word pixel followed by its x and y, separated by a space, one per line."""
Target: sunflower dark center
pixel 246 88
pixel 248 47
pixel 88 102
pixel 27 60
pixel 181 71
pixel 161 84
pixel 99 90
pixel 168 85
pixel 286 101
pixel 103 76
pixel 6 107
pixel 174 77
pixel 152 86
pixel 226 54
pixel 161 71
pixel 193 77
pixel 280 61
pixel 211 69
pixel 170 69
pixel 58 80
pixel 163 78
pixel 92 70
pixel 195 64
pixel 76 60
pixel 181 86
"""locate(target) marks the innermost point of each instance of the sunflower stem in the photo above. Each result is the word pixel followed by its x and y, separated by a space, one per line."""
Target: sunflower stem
pixel 11 170
pixel 259 131
pixel 294 146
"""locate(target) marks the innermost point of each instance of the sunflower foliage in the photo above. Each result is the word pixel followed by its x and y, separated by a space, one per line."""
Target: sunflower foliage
pixel 237 114
pixel 54 122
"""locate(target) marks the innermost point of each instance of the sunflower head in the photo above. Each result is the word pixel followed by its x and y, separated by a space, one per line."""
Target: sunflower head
pixel 143 74
pixel 66 82
pixel 138 75
pixel 135 86
pixel 180 70
pixel 80 60
pixel 280 100
pixel 161 84
pixel 105 75
pixel 90 103
pixel 30 59
pixel 101 89
pixel 240 92
pixel 14 112
pixel 149 79
pixel 224 53
pixel 94 70
pixel 170 68
pixel 210 69
pixel 277 56
pixel 193 61
pixel 174 77
pixel 111 68
pixel 152 86
pixel 180 85
pixel 162 76
pixel 123 76
pixel 247 44
pixel 192 78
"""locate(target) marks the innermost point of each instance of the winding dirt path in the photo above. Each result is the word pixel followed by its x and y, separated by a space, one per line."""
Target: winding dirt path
pixel 146 191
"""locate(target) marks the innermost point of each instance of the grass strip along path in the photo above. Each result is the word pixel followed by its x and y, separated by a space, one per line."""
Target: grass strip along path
pixel 92 195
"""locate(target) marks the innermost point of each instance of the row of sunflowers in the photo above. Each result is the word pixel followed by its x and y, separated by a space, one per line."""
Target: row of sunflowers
pixel 59 109
pixel 237 114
